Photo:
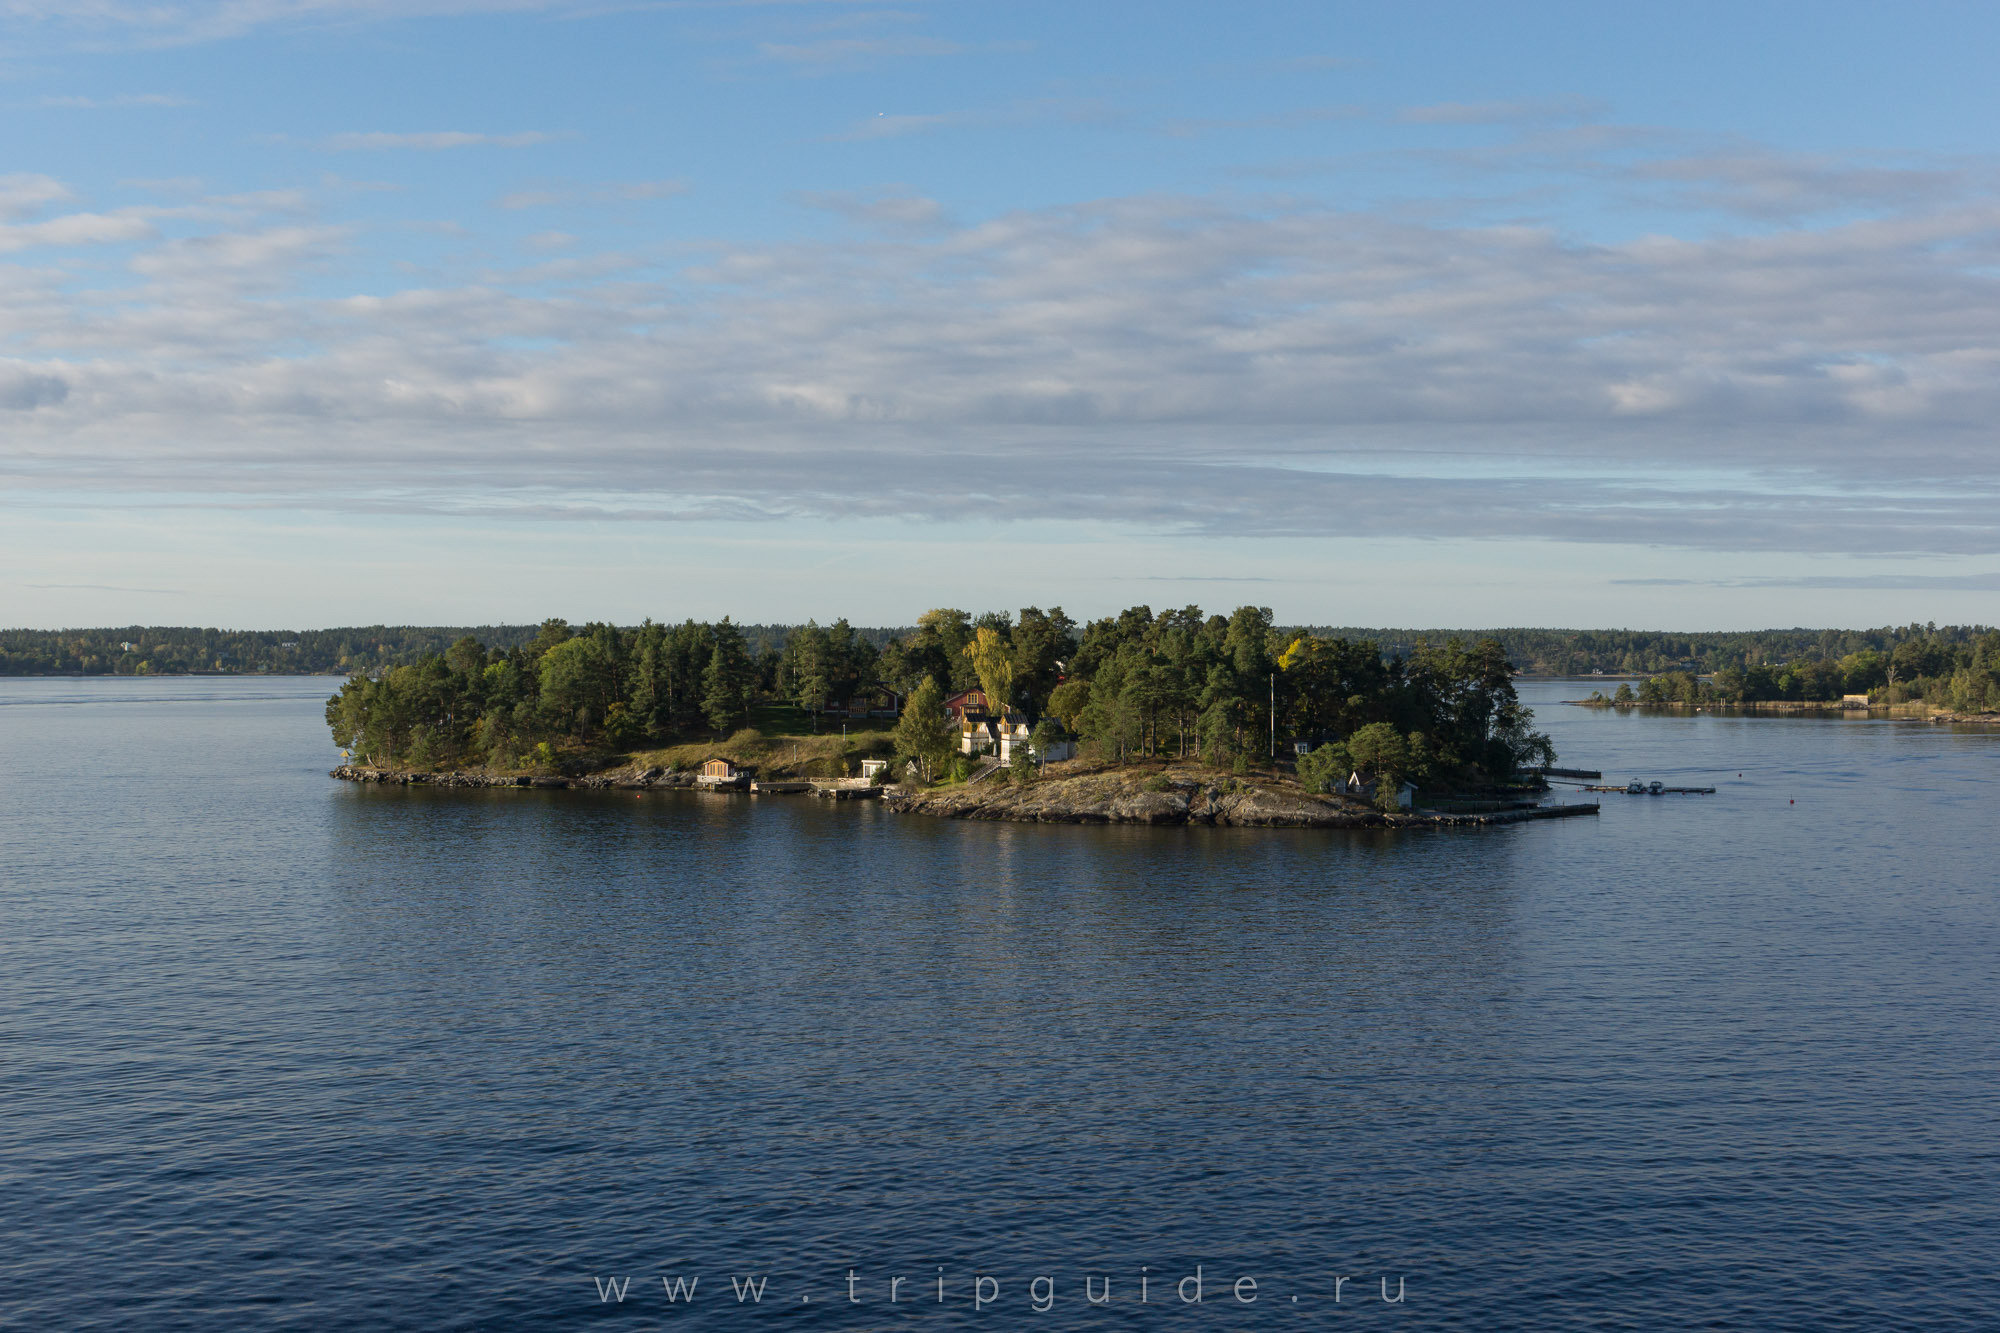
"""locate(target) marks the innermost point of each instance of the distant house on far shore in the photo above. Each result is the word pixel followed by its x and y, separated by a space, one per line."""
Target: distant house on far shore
pixel 1853 701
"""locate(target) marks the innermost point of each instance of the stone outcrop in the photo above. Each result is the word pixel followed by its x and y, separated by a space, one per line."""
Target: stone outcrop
pixel 1148 796
pixel 624 779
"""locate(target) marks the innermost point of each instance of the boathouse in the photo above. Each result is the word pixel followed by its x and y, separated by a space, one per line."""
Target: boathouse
pixel 1406 792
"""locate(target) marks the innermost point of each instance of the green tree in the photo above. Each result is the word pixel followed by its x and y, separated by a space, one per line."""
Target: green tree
pixel 1380 751
pixel 808 667
pixel 726 680
pixel 993 661
pixel 1043 642
pixel 1023 764
pixel 578 684
pixel 1069 701
pixel 1325 768
pixel 923 733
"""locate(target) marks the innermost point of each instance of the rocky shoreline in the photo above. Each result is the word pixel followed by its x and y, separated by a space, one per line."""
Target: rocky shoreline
pixel 624 779
pixel 1117 796
pixel 1126 796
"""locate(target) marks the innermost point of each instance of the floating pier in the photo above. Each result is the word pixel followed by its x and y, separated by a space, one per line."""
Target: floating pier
pixel 1655 789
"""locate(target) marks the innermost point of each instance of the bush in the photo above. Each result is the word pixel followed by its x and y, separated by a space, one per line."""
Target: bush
pixel 1157 782
pixel 1325 769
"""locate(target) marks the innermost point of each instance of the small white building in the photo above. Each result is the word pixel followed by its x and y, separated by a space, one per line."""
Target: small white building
pixel 1406 792
pixel 870 767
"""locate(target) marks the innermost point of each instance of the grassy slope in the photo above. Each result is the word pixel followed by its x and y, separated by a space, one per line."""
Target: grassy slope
pixel 780 743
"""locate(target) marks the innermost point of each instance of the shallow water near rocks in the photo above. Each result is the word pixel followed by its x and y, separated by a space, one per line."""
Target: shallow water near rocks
pixel 281 1052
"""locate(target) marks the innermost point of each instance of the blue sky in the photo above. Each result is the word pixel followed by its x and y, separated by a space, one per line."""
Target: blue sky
pixel 318 312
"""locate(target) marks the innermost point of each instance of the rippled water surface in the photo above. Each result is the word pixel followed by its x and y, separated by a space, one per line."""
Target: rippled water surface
pixel 280 1052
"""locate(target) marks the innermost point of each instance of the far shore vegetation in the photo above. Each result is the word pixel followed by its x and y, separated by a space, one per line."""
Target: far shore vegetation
pixel 1234 692
pixel 176 650
pixel 1958 675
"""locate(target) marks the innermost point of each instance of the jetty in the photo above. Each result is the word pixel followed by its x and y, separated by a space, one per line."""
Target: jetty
pixel 1637 788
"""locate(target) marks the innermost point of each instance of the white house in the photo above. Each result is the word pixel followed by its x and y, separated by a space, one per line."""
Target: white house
pixel 980 734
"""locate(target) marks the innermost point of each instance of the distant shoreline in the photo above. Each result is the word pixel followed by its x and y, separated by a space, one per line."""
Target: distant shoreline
pixel 1912 711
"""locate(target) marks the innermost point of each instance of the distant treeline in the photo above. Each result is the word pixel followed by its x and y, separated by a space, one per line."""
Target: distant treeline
pixel 1959 673
pixel 158 650
pixel 164 650
pixel 1580 652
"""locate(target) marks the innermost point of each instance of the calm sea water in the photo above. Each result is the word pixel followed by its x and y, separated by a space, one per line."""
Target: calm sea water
pixel 280 1052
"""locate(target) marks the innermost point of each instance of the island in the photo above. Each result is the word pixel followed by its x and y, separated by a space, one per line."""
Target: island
pixel 1170 718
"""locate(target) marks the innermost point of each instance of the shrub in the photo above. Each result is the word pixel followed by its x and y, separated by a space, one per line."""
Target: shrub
pixel 1157 782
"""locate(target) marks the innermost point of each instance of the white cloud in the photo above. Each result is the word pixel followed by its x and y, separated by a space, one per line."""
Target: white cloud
pixel 24 194
pixel 184 21
pixel 121 100
pixel 435 140
pixel 1182 363
pixel 73 229
pixel 882 209
pixel 555 196
pixel 843 52
pixel 1540 111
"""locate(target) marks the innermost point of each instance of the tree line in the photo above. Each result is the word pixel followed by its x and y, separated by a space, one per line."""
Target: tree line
pixel 1956 671
pixel 1580 652
pixel 168 650
pixel 1235 690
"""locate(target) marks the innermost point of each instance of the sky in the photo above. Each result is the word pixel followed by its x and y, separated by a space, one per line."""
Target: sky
pixel 319 312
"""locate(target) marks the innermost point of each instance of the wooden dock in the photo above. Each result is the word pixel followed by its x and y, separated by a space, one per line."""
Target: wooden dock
pixel 1655 789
